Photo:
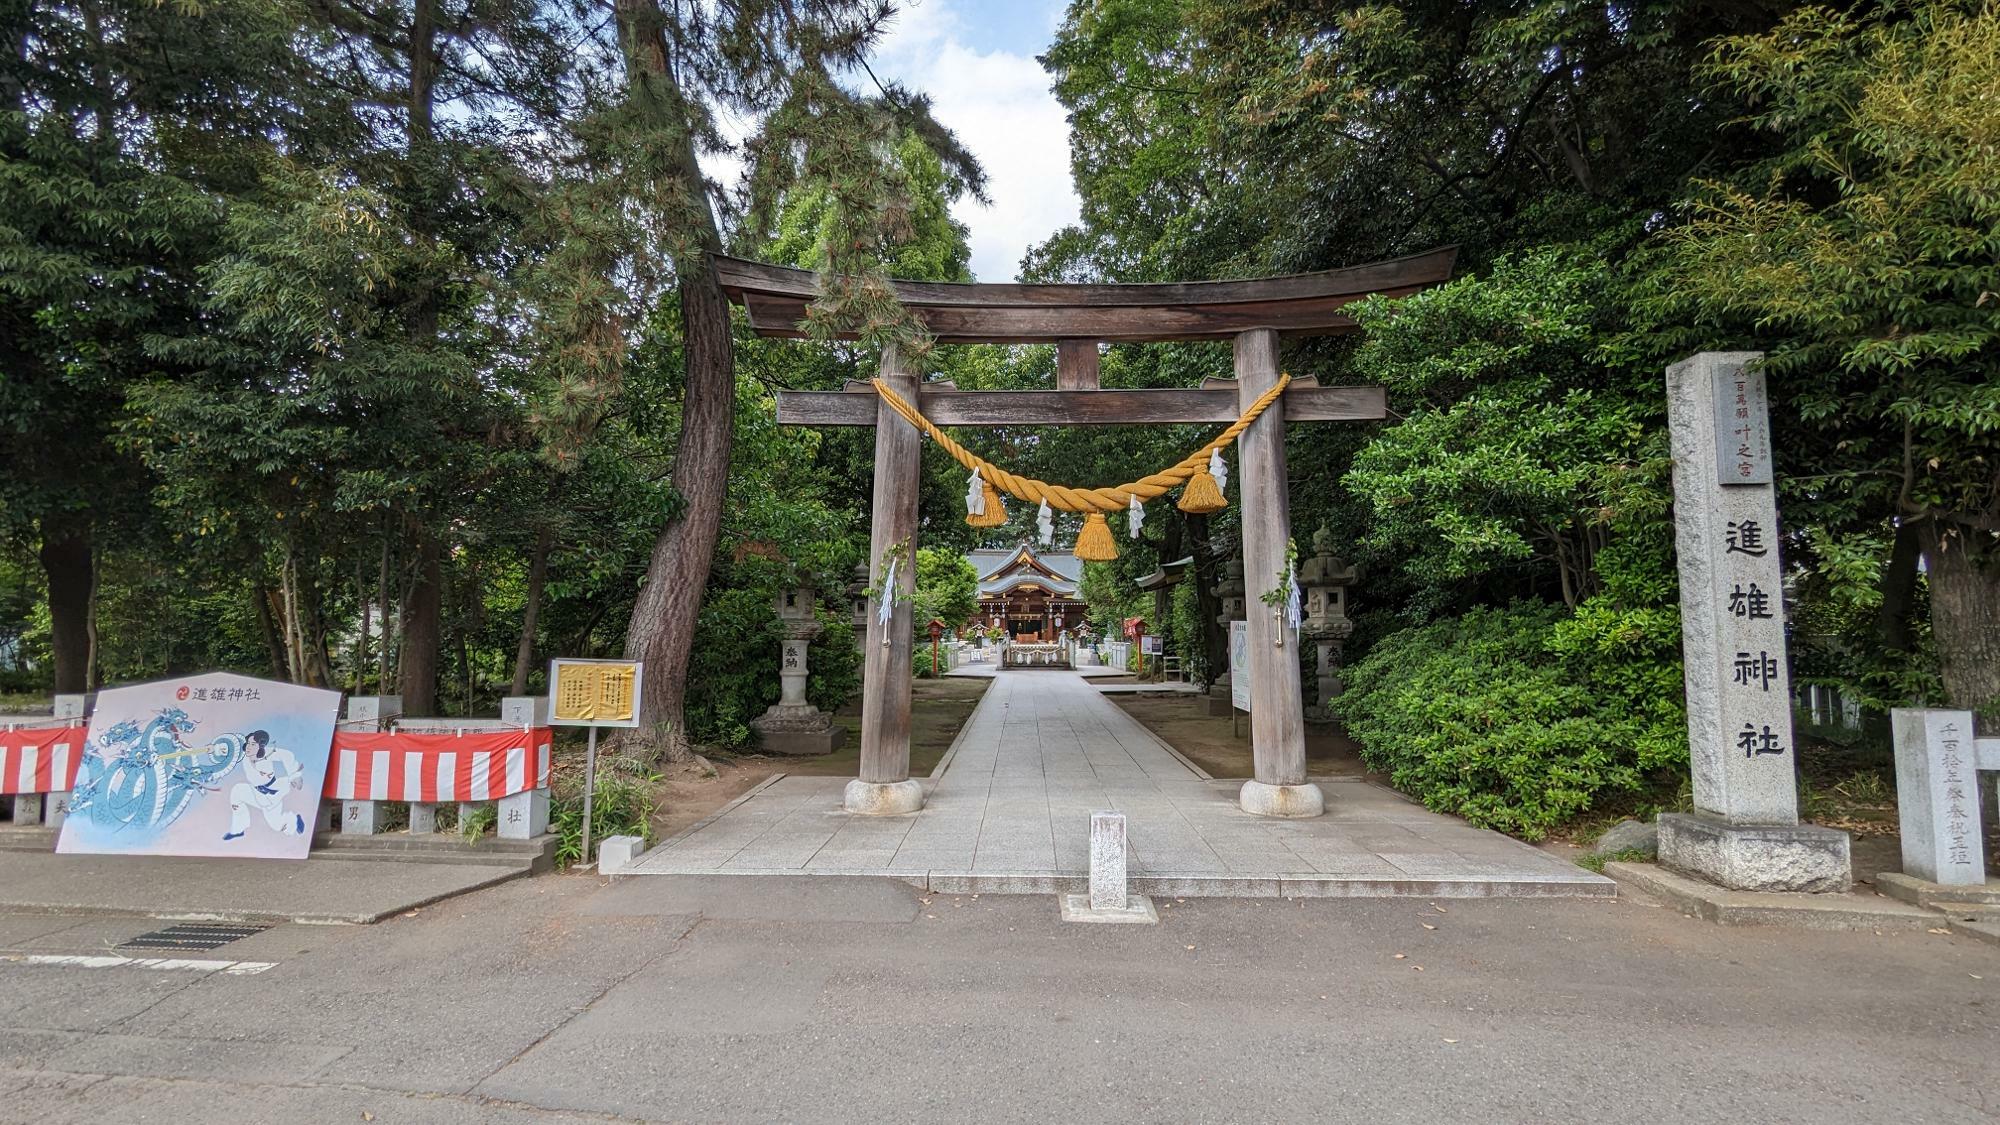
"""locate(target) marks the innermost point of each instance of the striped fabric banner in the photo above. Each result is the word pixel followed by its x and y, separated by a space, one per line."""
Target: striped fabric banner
pixel 40 759
pixel 481 765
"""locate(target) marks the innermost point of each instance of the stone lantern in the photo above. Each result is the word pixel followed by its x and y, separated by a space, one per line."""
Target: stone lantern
pixel 857 596
pixel 792 725
pixel 1324 579
pixel 1230 593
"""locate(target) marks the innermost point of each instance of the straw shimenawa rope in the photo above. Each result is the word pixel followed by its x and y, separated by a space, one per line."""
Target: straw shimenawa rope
pixel 1085 500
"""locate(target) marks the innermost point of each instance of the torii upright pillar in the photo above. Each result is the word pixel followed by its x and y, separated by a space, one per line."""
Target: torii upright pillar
pixel 884 786
pixel 1277 715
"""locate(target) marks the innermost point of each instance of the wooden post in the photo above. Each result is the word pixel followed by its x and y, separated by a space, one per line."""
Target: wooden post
pixel 1277 709
pixel 1076 365
pixel 884 786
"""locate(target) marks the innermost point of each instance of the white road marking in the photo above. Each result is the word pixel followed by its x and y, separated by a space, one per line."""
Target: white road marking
pixel 171 964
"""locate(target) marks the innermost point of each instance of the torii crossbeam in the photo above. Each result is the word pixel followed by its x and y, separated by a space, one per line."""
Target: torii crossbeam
pixel 1252 314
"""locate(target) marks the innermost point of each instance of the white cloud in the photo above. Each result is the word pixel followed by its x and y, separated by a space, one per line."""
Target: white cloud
pixel 998 102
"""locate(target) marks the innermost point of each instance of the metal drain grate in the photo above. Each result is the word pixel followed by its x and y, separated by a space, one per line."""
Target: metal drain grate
pixel 200 936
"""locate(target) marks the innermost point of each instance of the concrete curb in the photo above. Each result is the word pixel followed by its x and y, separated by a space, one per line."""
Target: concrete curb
pixel 1937 896
pixel 274 917
pixel 1170 885
pixel 1771 908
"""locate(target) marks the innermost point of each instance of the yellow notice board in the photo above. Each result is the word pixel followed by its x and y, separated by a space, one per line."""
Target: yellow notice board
pixel 594 693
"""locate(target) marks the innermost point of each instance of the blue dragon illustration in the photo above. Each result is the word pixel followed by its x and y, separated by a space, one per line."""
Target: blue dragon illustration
pixel 145 777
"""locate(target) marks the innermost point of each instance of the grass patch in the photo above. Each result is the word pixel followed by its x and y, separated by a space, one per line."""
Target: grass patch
pixel 1595 863
pixel 623 806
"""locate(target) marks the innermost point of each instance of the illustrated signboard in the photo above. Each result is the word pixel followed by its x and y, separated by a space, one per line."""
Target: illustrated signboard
pixel 594 693
pixel 1150 645
pixel 210 765
pixel 1239 665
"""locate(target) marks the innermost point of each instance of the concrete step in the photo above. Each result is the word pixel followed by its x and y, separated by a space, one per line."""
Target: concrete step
pixel 1851 911
pixel 534 855
pixel 1936 896
pixel 27 838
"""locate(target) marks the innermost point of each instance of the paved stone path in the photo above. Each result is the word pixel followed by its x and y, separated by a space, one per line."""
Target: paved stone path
pixel 1010 812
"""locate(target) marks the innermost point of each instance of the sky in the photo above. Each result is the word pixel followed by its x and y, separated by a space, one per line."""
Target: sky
pixel 977 62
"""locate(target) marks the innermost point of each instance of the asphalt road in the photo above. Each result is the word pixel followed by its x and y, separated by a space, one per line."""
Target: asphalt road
pixel 564 999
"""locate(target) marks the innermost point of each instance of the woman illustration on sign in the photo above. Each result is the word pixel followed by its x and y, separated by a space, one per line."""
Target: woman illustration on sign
pixel 262 790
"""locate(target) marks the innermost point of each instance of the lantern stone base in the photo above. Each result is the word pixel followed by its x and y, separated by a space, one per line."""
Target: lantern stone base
pixel 797 730
pixel 1281 800
pixel 1755 857
pixel 1218 699
pixel 884 798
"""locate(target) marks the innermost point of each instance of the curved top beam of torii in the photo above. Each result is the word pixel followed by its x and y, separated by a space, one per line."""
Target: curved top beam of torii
pixel 1306 304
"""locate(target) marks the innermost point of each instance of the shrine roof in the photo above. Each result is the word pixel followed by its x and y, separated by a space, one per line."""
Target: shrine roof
pixel 1007 568
pixel 1305 304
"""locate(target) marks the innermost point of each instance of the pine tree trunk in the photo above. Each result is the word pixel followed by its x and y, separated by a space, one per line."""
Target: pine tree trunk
pixel 1964 570
pixel 66 560
pixel 664 616
pixel 361 633
pixel 524 652
pixel 416 679
pixel 267 624
pixel 382 600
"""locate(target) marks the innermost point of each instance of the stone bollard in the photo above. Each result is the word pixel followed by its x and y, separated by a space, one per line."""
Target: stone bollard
pixel 616 853
pixel 1109 899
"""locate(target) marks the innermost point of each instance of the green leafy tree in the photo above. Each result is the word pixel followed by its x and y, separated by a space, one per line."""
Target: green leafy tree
pixel 1514 435
pixel 1865 255
pixel 119 125
pixel 947 587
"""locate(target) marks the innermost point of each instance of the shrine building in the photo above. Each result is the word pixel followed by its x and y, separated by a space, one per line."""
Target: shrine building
pixel 1031 595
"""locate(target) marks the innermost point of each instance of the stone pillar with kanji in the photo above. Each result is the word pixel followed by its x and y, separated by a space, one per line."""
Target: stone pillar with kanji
pixel 1744 832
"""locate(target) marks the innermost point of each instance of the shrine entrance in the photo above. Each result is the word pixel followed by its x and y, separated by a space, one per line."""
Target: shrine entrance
pixel 1252 315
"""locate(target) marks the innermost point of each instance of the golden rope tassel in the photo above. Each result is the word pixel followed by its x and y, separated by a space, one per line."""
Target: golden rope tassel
pixel 1201 497
pixel 991 514
pixel 1094 542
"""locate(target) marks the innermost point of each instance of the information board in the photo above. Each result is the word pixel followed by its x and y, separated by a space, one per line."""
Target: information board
pixel 1239 665
pixel 594 693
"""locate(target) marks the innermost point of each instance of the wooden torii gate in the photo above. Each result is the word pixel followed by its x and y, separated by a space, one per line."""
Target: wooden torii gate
pixel 1254 315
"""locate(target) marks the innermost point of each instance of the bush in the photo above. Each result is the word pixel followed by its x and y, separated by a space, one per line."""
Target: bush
pixel 1526 717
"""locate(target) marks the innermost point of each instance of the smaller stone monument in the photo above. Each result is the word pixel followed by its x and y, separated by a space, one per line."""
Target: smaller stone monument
pixel 1230 592
pixel 1108 900
pixel 1325 578
pixel 792 725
